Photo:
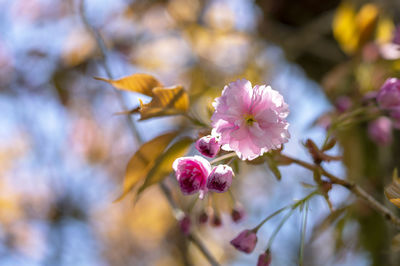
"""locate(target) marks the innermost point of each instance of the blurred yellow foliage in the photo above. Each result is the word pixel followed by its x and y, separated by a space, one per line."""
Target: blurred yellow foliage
pixel 78 47
pixel 353 29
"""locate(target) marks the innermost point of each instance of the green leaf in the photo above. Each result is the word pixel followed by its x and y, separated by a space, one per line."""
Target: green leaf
pixel 144 160
pixel 274 168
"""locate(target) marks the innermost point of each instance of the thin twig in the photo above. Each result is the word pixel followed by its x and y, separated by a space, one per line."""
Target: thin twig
pixel 356 189
pixel 167 193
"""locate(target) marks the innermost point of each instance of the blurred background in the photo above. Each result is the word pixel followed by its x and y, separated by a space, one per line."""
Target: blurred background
pixel 63 150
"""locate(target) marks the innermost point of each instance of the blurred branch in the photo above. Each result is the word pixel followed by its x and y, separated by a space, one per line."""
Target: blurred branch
pixel 354 188
pixel 103 51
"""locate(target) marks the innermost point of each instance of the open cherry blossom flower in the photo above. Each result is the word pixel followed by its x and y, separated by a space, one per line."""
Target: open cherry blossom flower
pixel 250 120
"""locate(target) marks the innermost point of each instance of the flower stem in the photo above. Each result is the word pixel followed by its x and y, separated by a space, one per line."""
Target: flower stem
pixel 223 157
pixel 292 206
pixel 354 188
pixel 303 233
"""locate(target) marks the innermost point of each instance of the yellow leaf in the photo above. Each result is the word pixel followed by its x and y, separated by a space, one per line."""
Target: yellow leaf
pixel 143 161
pixel 166 101
pixel 163 165
pixel 141 83
pixel 366 20
pixel 392 191
pixel 384 31
pixel 353 29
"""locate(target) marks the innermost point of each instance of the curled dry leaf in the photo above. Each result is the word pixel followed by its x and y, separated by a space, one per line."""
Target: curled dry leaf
pixel 392 191
pixel 166 101
pixel 144 160
pixel 140 83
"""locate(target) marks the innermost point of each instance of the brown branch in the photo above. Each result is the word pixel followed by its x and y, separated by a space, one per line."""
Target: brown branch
pixel 354 188
pixel 167 193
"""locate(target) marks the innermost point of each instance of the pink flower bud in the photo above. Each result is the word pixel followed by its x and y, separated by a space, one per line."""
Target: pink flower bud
pixel 245 241
pixel 208 146
pixel 380 130
pixel 203 218
pixel 192 173
pixel 216 221
pixel 264 259
pixel 220 178
pixel 343 103
pixel 185 225
pixel 389 95
pixel 237 214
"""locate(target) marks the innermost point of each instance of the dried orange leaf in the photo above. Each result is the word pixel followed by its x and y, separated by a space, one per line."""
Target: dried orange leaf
pixel 141 83
pixel 143 161
pixel 392 191
pixel 166 101
pixel 163 165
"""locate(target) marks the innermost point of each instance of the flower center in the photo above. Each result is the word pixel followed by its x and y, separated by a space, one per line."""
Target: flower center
pixel 249 120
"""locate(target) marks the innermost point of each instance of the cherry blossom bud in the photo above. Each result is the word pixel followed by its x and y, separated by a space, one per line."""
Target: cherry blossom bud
pixel 237 214
pixel 343 103
pixel 245 241
pixel 380 130
pixel 185 224
pixel 264 259
pixel 220 178
pixel 192 173
pixel 216 221
pixel 208 146
pixel 389 95
pixel 203 218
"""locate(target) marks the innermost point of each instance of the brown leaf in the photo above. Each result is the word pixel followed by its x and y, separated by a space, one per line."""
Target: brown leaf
pixel 392 191
pixel 163 165
pixel 141 83
pixel 166 101
pixel 143 161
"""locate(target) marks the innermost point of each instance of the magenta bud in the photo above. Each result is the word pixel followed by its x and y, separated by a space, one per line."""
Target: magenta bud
pixel 192 173
pixel 203 218
pixel 216 221
pixel 264 259
pixel 220 178
pixel 185 225
pixel 245 241
pixel 343 103
pixel 237 214
pixel 389 94
pixel 380 130
pixel 208 146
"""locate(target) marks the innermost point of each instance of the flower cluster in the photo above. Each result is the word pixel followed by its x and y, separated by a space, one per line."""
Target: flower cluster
pixel 194 174
pixel 248 120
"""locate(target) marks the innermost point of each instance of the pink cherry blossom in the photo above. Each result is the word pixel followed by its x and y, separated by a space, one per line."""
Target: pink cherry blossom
pixel 250 120
pixel 192 174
